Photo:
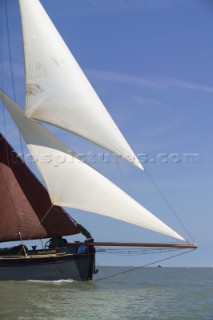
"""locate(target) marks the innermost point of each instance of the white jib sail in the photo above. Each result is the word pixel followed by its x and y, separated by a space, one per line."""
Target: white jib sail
pixel 57 90
pixel 73 183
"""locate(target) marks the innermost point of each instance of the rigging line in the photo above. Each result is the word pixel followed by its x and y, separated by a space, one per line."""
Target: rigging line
pixel 4 119
pixel 3 111
pixel 9 48
pixel 143 266
pixel 1 53
pixel 5 128
pixel 1 58
pixel 11 69
pixel 134 251
pixel 169 205
pixel 23 246
pixel 59 209
pixel 30 237
pixel 119 169
pixel 42 245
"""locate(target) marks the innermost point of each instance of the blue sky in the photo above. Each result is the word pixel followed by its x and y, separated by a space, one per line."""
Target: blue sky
pixel 150 61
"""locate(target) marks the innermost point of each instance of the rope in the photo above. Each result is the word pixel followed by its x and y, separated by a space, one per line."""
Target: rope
pixel 11 69
pixel 140 267
pixel 133 252
pixel 30 237
pixel 1 58
pixel 1 54
pixel 23 247
pixel 119 169
pixel 4 117
pixel 169 205
pixel 9 49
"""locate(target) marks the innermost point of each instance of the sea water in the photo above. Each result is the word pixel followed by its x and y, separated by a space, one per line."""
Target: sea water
pixel 146 293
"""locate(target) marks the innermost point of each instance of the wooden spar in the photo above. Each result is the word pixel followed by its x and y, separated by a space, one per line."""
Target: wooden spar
pixel 147 245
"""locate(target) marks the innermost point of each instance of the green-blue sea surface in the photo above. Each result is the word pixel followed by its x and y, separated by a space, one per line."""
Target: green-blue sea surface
pixel 146 293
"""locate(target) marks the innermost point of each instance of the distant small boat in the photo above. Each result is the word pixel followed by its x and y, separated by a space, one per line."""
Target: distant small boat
pixel 57 92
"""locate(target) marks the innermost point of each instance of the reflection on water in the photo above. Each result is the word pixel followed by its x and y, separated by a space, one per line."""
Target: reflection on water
pixel 149 293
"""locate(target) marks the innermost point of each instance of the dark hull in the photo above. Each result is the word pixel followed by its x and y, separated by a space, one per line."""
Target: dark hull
pixel 48 267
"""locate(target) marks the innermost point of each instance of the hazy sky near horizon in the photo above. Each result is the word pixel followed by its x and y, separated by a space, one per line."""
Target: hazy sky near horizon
pixel 150 61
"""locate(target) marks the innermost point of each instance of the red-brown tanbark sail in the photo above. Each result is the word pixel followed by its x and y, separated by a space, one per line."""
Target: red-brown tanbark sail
pixel 25 207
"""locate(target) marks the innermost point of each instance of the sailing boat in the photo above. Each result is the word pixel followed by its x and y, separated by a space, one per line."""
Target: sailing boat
pixel 58 93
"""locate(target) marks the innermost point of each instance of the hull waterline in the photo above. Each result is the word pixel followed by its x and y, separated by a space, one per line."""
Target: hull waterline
pixel 57 266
